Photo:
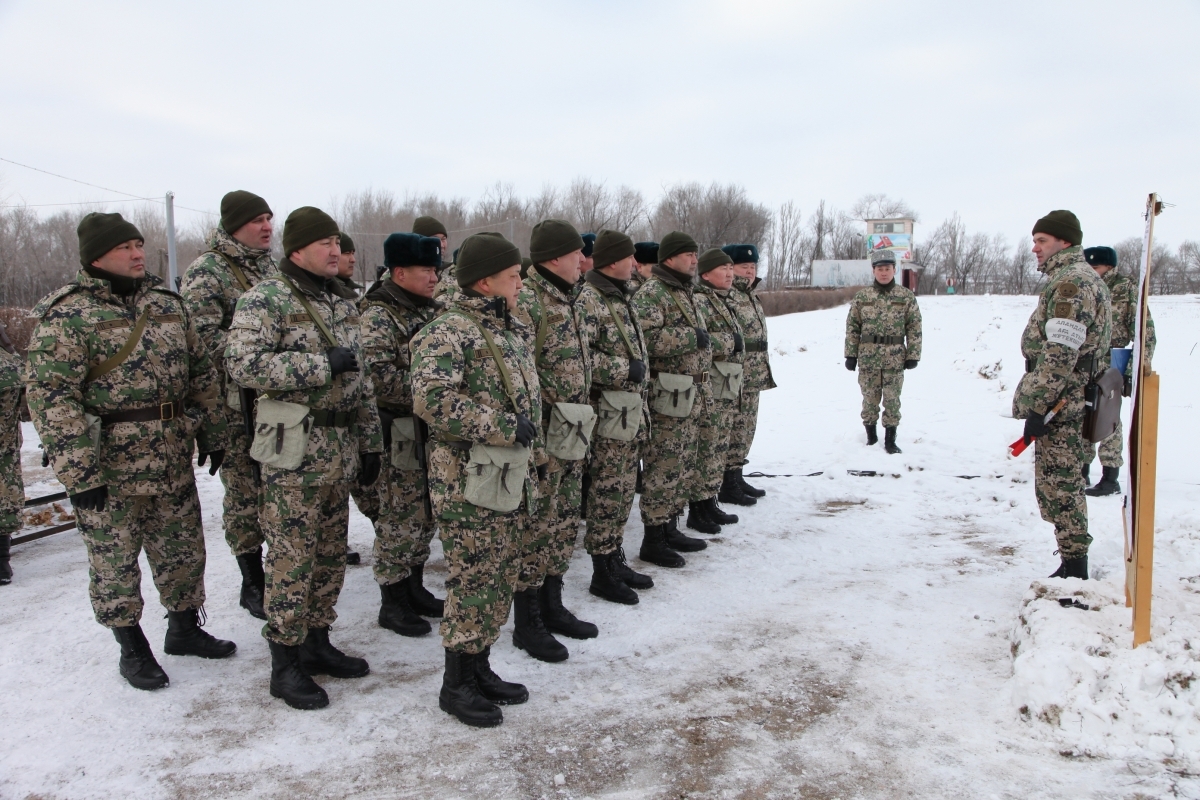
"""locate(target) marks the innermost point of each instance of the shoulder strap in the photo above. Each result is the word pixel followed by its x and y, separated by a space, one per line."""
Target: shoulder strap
pixel 727 314
pixel 109 364
pixel 505 376
pixel 316 318
pixel 235 269
pixel 679 305
pixel 543 325
pixel 633 353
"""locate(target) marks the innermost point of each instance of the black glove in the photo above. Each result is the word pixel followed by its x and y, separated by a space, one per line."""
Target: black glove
pixel 543 471
pixel 91 500
pixel 739 344
pixel 702 340
pixel 910 363
pixel 1035 426
pixel 341 359
pixel 218 458
pixel 637 371
pixel 851 362
pixel 371 462
pixel 525 430
pixel 385 422
pixel 46 455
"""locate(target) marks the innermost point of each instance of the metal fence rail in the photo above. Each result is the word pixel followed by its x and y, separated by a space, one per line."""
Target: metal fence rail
pixel 44 532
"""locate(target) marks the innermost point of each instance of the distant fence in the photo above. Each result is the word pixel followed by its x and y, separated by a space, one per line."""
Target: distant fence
pixel 808 298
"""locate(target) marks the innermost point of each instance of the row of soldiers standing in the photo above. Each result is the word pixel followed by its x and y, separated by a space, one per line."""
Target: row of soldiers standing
pixel 482 414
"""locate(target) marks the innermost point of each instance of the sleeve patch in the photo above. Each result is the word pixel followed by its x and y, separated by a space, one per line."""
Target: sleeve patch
pixel 1066 331
pixel 1065 310
pixel 1068 290
pixel 295 319
pixel 113 324
pixel 163 319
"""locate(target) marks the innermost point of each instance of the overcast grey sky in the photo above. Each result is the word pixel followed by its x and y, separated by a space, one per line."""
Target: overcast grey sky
pixel 1000 111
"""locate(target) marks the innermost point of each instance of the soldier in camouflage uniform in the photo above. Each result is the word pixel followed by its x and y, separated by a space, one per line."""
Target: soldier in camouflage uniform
pixel 757 364
pixel 1123 291
pixel 366 498
pixel 618 358
pixel 883 338
pixel 1065 344
pixel 678 344
pixel 392 313
pixel 645 255
pixel 12 488
pixel 120 386
pixel 238 257
pixel 560 350
pixel 296 341
pixel 475 384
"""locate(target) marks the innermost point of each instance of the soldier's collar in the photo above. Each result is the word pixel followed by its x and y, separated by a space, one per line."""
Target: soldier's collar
pixel 554 280
pixel 119 285
pixel 223 242
pixel 388 291
pixel 1068 255
pixel 306 281
pixel 673 278
pixel 605 284
pixel 885 287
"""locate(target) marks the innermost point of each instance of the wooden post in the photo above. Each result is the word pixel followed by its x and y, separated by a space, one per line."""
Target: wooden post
pixel 1143 543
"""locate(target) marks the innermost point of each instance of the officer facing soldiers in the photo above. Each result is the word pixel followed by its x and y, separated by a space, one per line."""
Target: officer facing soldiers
pixel 645 256
pixel 1123 291
pixel 120 385
pixel 12 488
pixel 1065 343
pixel 392 313
pixel 883 338
pixel 618 358
pixel 680 395
pixel 756 367
pixel 238 257
pixel 296 342
pixel 560 351
pixel 474 383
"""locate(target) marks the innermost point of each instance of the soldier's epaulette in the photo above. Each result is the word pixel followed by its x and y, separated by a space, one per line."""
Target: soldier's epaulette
pixel 50 300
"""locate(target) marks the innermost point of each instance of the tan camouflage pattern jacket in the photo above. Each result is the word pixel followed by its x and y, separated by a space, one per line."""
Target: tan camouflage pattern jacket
pixel 722 322
pixel 274 346
pixel 1123 290
pixel 1066 340
pixel 447 284
pixel 610 357
pixel 83 324
pixel 752 318
pixel 390 319
pixel 458 391
pixel 12 383
pixel 671 333
pixel 876 311
pixel 564 365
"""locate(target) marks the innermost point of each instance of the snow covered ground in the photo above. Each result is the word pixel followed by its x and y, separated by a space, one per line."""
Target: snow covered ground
pixel 870 637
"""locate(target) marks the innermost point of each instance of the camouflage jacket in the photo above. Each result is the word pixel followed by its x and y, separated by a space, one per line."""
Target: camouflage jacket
pixel 1066 340
pixel 722 322
pixel 11 386
pixel 459 392
pixel 390 319
pixel 879 312
pixel 1123 290
pixel 669 315
pixel 447 283
pixel 753 320
pixel 563 362
pixel 610 356
pixel 346 288
pixel 274 346
pixel 83 324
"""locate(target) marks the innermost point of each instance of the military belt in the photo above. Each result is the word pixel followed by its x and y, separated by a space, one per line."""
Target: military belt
pixel 883 339
pixel 698 377
pixel 332 419
pixel 756 347
pixel 1086 364
pixel 456 444
pixel 163 412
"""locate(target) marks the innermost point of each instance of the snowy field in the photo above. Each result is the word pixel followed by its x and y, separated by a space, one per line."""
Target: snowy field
pixel 852 637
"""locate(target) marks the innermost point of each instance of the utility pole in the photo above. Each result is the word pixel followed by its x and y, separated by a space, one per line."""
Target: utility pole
pixel 172 261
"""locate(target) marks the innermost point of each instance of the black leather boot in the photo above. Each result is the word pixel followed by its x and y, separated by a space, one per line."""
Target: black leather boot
pixel 185 637
pixel 529 632
pixel 319 657
pixel 1076 567
pixel 5 566
pixel 460 695
pixel 747 489
pixel 558 618
pixel 353 559
pixel 492 686
pixel 137 660
pixel 731 490
pixel 1061 572
pixel 396 614
pixel 889 440
pixel 872 433
pixel 634 580
pixel 655 550
pixel 1108 483
pixel 606 585
pixel 697 520
pixel 681 541
pixel 254 582
pixel 421 599
pixel 292 684
pixel 718 516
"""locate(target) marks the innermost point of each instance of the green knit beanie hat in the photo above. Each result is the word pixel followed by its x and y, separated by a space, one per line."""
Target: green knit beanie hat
pixel 674 243
pixel 484 254
pixel 552 238
pixel 1061 224
pixel 99 233
pixel 611 247
pixel 428 226
pixel 712 258
pixel 304 226
pixel 238 208
pixel 347 242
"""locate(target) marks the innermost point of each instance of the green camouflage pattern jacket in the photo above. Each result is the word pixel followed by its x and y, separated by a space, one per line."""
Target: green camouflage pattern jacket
pixel 563 363
pixel 722 322
pixel 1123 290
pixel 1066 340
pixel 668 314
pixel 752 318
pixel 610 356
pixel 459 392
pixel 12 383
pixel 274 346
pixel 391 317
pixel 883 311
pixel 83 324
pixel 447 284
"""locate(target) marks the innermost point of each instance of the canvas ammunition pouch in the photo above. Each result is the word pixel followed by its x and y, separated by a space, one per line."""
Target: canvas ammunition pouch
pixel 569 434
pixel 673 395
pixel 280 433
pixel 727 384
pixel 495 476
pixel 620 415
pixel 404 443
pixel 1102 405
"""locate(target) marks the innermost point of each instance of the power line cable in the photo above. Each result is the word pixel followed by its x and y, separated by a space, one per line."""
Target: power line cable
pixel 94 186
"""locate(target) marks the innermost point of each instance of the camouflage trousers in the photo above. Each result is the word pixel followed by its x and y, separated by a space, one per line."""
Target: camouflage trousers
pixel 402 531
pixel 877 385
pixel 613 469
pixel 551 534
pixel 482 562
pixel 306 531
pixel 366 500
pixel 1112 449
pixel 1058 482
pixel 242 495
pixel 12 491
pixel 741 435
pixel 712 449
pixel 168 528
pixel 669 467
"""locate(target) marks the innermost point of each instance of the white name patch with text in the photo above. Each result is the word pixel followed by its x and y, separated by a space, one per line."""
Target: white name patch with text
pixel 1066 331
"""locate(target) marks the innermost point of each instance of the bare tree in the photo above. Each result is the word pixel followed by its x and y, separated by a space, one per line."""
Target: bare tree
pixel 880 206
